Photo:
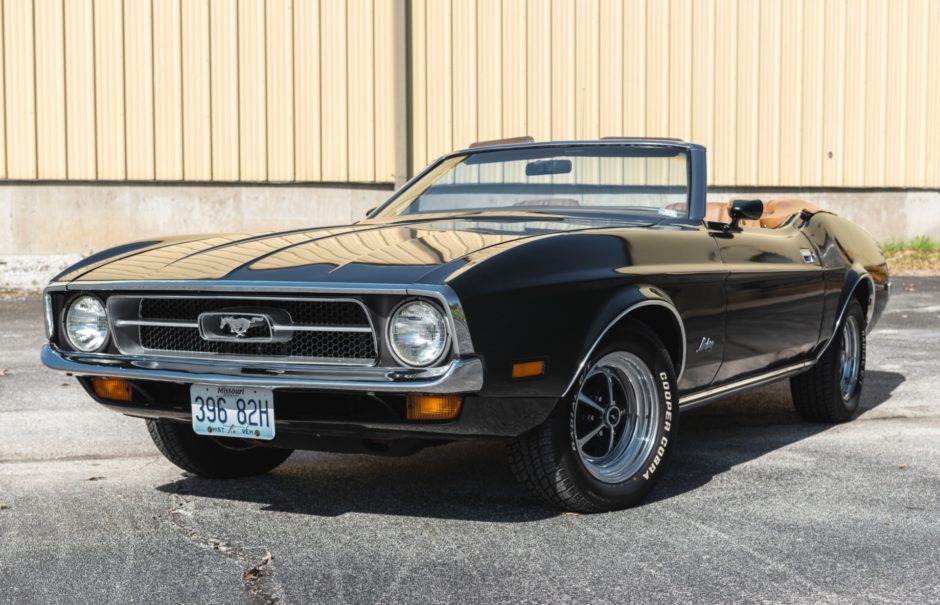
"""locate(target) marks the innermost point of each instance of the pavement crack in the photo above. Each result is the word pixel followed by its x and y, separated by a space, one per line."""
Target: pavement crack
pixel 257 577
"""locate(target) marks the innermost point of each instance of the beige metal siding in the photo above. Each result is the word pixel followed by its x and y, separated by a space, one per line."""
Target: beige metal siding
pixel 167 90
pixel 138 89
pixel 197 90
pixel 109 88
pixel 829 93
pixel 834 93
pixel 19 82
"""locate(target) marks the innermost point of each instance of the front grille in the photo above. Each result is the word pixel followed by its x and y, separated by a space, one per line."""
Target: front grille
pixel 302 312
pixel 320 330
pixel 318 345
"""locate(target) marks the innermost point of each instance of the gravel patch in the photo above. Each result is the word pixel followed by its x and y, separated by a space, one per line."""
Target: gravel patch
pixel 28 274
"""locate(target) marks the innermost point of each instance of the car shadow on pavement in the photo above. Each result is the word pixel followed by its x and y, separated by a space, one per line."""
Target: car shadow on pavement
pixel 472 481
pixel 718 437
pixel 462 480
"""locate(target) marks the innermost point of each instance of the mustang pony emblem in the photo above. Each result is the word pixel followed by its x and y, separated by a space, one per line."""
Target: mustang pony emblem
pixel 239 326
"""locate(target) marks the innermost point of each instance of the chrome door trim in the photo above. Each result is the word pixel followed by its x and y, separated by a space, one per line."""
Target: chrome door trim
pixel 627 311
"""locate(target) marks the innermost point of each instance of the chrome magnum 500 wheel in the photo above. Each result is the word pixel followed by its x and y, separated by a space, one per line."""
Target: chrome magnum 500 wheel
pixel 615 416
pixel 604 446
pixel 831 389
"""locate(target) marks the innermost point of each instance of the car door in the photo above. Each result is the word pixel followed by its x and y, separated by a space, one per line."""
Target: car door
pixel 775 295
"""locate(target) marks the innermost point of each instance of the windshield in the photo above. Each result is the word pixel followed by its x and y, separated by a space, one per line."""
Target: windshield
pixel 589 179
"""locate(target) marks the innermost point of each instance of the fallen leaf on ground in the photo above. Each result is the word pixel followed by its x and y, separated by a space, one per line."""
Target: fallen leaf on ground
pixel 902 466
pixel 569 513
pixel 4 506
pixel 94 478
pixel 3 372
pixel 255 572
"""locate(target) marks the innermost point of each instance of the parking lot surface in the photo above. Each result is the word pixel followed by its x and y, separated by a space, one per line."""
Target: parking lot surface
pixel 756 505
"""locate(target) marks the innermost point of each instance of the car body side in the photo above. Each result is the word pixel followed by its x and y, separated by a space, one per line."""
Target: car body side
pixel 552 298
pixel 734 307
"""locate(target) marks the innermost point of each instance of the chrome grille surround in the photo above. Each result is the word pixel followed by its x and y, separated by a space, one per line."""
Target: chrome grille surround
pixel 323 331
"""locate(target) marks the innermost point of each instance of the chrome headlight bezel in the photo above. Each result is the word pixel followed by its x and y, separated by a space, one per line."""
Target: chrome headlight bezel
pixel 49 316
pixel 443 323
pixel 104 326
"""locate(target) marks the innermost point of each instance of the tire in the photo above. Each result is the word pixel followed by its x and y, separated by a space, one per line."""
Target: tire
pixel 819 394
pixel 604 472
pixel 207 457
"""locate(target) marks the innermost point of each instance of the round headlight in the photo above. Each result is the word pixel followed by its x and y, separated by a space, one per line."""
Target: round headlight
pixel 86 324
pixel 417 333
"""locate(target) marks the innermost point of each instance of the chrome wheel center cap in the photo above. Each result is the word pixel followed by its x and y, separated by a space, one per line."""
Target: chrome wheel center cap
pixel 612 416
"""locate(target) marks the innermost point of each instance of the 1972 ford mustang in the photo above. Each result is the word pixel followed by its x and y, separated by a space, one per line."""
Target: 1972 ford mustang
pixel 570 297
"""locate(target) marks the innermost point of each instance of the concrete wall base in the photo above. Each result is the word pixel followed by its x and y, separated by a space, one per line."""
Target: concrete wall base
pixel 48 219
pixel 41 219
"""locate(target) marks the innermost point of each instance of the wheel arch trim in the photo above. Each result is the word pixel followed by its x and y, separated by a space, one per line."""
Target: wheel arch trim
pixel 630 309
pixel 847 298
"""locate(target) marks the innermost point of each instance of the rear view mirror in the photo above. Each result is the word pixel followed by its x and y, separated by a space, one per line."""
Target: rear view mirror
pixel 546 167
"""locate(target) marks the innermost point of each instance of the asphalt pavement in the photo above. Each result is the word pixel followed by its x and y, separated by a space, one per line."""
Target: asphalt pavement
pixel 756 505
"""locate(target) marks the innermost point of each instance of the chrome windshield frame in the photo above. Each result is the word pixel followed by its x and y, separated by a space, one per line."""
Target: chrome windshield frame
pixel 696 166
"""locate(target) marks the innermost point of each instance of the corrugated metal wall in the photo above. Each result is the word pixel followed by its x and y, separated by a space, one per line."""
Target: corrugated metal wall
pixel 783 92
pixel 795 93
pixel 197 90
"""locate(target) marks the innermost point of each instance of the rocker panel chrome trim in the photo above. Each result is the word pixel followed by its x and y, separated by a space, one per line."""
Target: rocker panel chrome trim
pixel 694 400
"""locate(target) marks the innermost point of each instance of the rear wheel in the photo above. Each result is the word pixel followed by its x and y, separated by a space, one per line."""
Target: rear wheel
pixel 212 457
pixel 604 446
pixel 830 391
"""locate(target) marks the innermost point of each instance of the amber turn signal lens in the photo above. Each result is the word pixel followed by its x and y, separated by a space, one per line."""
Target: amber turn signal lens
pixel 528 368
pixel 113 389
pixel 433 407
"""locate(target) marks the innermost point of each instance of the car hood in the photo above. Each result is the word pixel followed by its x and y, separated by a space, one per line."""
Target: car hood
pixel 368 252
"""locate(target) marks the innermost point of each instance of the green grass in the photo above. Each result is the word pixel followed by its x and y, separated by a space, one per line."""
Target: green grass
pixel 921 243
pixel 916 255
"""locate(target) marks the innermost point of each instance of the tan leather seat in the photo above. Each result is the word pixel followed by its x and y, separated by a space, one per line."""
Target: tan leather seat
pixel 776 212
pixel 717 212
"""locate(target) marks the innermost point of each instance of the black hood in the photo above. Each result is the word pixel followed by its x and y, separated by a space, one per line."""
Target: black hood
pixel 368 252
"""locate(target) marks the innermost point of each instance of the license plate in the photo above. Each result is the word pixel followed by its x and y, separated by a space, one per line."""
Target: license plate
pixel 232 411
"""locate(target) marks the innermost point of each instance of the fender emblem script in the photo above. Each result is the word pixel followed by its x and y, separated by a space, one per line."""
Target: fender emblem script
pixel 706 345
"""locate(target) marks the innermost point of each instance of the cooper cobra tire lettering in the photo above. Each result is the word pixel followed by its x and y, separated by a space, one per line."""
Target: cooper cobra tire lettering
pixel 667 425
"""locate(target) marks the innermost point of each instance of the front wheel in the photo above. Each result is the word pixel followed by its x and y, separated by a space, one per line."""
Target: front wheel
pixel 212 457
pixel 604 446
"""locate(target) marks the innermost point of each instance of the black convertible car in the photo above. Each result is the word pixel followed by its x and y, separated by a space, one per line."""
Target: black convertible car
pixel 570 297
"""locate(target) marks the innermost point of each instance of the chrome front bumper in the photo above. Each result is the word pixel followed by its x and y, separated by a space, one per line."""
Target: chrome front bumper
pixel 459 376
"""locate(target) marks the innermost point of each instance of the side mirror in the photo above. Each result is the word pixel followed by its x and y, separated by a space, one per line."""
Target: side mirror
pixel 745 209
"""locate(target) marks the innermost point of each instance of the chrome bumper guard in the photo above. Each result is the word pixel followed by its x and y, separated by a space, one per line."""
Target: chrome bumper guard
pixel 459 376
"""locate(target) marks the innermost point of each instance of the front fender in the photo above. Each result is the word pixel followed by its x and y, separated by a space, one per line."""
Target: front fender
pixel 620 305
